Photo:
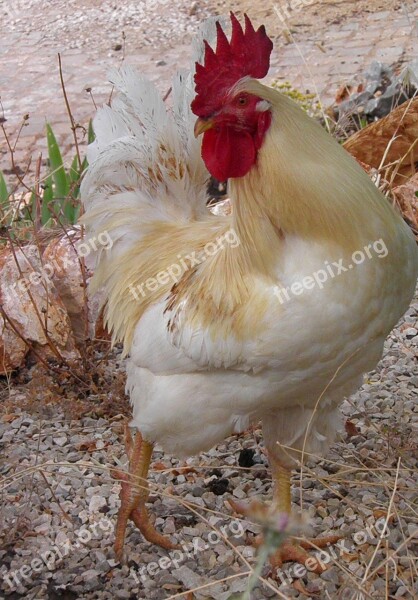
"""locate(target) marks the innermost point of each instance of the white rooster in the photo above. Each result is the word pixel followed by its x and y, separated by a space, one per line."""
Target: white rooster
pixel 272 313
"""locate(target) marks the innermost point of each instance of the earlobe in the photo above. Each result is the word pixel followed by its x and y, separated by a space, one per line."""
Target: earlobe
pixel 263 106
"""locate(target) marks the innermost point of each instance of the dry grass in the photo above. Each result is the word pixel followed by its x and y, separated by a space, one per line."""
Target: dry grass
pixel 92 388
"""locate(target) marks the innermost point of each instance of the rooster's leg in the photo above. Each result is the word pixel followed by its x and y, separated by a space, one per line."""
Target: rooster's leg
pixel 290 550
pixel 134 494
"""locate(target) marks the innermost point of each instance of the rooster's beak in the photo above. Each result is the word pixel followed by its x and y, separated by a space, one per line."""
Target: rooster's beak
pixel 203 125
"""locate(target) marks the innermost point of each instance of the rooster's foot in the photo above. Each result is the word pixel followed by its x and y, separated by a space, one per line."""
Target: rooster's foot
pixel 134 494
pixel 291 549
pixel 297 551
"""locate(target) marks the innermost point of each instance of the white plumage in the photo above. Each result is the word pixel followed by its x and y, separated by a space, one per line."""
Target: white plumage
pixel 193 381
pixel 271 313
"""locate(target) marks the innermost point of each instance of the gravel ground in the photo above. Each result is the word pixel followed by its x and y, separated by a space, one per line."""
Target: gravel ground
pixel 163 24
pixel 59 503
pixel 151 23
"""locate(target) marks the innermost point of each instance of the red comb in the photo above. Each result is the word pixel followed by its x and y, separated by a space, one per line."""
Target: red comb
pixel 247 54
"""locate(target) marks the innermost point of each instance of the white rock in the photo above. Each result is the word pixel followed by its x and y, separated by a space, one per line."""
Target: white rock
pixel 96 503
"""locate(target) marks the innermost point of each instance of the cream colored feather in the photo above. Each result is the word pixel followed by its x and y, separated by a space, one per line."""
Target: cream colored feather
pixel 215 349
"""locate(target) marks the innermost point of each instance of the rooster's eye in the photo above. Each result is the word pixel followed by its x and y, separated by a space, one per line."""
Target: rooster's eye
pixel 242 100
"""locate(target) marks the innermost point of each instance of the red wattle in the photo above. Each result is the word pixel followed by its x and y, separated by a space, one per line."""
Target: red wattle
pixel 228 152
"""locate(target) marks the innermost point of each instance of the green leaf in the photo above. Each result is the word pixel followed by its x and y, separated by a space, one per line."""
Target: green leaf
pixel 70 211
pixel 416 193
pixel 74 175
pixel 76 213
pixel 48 197
pixel 30 209
pixel 57 166
pixel 74 172
pixel 61 181
pixel 49 224
pixel 4 194
pixel 91 136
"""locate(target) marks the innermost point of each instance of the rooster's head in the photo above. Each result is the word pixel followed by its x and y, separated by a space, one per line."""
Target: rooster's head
pixel 233 121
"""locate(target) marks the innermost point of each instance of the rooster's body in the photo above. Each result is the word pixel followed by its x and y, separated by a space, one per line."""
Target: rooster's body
pixel 226 342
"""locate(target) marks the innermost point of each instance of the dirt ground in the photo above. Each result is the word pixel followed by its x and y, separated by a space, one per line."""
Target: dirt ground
pixel 155 36
pixel 60 440
pixel 307 15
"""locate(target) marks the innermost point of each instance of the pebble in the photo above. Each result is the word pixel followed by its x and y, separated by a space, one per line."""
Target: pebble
pixel 60 441
pixel 96 503
pixel 383 409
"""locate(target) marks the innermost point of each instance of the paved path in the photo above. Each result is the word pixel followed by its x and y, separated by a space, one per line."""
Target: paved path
pixel 319 61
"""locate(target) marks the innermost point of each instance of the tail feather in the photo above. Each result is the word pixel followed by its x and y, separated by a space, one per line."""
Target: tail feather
pixel 145 186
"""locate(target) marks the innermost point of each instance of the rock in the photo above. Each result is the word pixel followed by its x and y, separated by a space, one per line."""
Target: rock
pixel 353 104
pixel 60 440
pixel 169 526
pixel 409 75
pixel 384 104
pixel 91 579
pixel 331 575
pixel 378 71
pixel 219 486
pixel 193 9
pixel 188 578
pixel 31 294
pixel 246 458
pixel 96 503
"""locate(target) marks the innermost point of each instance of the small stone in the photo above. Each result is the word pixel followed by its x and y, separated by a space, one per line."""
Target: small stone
pixel 60 440
pixel 219 486
pixel 96 503
pixel 124 594
pixel 193 9
pixel 160 63
pixel 322 512
pixel 239 493
pixel 246 458
pixel 169 526
pixel 188 578
pixel 331 575
pixel 117 47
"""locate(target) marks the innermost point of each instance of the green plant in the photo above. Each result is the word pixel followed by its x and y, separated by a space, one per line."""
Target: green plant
pixel 308 102
pixel 55 199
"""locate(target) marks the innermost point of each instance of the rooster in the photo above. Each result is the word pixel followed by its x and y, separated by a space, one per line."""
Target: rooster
pixel 272 313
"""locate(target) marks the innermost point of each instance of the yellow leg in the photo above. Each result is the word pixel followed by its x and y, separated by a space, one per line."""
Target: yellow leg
pixel 134 494
pixel 290 550
pixel 282 502
pixel 282 497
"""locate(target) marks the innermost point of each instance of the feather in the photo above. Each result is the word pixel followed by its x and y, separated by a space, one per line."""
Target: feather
pixel 211 348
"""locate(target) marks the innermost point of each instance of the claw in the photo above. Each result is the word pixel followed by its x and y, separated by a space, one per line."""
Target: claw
pixel 141 519
pixel 291 550
pixel 134 495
